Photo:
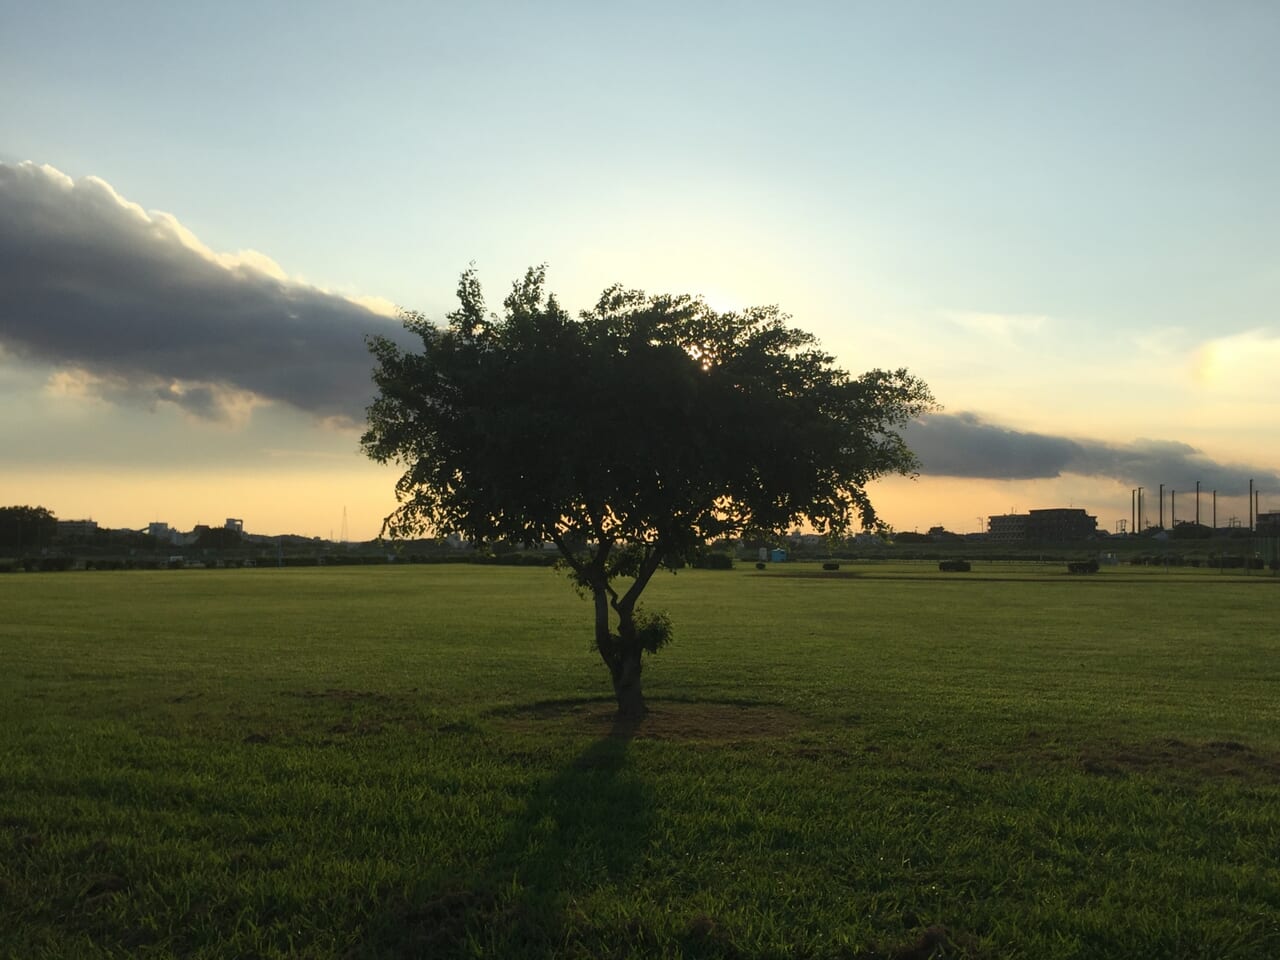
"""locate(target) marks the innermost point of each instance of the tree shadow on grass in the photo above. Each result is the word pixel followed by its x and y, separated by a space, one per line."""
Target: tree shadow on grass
pixel 585 828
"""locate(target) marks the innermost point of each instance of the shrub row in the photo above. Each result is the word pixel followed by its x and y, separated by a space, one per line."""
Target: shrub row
pixel 1165 560
pixel 714 561
pixel 1236 563
pixel 37 564
pixel 499 559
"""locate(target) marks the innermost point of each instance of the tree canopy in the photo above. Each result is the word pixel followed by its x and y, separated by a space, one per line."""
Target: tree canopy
pixel 629 436
pixel 26 528
pixel 218 538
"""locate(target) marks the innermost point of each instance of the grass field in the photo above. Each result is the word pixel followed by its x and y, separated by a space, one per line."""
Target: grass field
pixel 420 761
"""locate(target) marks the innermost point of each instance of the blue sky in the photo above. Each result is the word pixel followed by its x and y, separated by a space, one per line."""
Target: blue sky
pixel 1063 217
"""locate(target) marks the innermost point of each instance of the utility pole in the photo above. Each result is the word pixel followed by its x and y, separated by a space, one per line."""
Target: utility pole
pixel 1139 509
pixel 1215 513
pixel 1251 505
pixel 1162 506
pixel 1173 509
pixel 1133 510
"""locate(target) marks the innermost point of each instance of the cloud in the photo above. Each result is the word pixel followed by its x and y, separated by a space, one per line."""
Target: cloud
pixel 1001 327
pixel 137 310
pixel 965 445
pixel 202 401
pixel 1242 364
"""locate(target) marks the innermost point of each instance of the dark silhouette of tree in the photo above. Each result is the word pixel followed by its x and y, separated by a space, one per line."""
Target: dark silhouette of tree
pixel 218 538
pixel 26 528
pixel 629 436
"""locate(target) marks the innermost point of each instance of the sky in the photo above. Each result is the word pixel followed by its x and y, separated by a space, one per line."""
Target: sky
pixel 1063 217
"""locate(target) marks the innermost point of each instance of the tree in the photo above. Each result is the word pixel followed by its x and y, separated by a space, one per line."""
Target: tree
pixel 629 437
pixel 218 538
pixel 25 528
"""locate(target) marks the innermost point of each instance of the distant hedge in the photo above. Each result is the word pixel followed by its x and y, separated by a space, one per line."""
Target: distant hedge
pixel 47 564
pixel 1236 563
pixel 497 559
pixel 714 561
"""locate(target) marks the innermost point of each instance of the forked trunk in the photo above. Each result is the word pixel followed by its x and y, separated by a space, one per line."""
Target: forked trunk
pixel 627 664
pixel 621 653
pixel 626 684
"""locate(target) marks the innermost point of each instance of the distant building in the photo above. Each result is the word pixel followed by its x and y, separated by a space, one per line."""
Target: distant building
pixel 162 532
pixel 1268 523
pixel 1007 528
pixel 1052 525
pixel 1060 525
pixel 68 529
pixel 234 523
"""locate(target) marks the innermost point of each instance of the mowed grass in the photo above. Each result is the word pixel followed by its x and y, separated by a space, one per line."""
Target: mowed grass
pixel 419 761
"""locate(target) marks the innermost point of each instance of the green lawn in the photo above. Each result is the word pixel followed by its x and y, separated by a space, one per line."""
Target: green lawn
pixel 419 761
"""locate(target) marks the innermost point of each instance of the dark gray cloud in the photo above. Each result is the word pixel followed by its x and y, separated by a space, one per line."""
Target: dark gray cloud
pixel 92 282
pixel 965 445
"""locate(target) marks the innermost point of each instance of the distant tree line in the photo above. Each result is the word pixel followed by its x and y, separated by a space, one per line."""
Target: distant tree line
pixel 26 528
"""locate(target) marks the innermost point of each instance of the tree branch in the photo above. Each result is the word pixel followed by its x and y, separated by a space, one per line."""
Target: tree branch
pixel 569 557
pixel 649 564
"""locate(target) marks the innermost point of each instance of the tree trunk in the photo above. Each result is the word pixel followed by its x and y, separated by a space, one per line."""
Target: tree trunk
pixel 626 684
pixel 621 653
pixel 604 636
pixel 626 666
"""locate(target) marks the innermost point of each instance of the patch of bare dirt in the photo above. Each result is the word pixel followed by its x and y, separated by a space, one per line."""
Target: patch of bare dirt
pixel 1217 759
pixel 346 696
pixel 101 889
pixel 814 574
pixel 933 943
pixel 443 925
pixel 436 926
pixel 666 720
pixel 1212 760
pixel 29 841
pixel 708 935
